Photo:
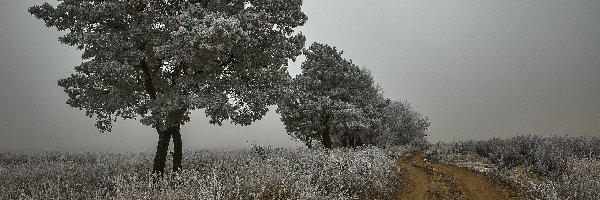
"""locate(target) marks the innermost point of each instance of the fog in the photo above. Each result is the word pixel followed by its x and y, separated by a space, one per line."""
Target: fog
pixel 476 69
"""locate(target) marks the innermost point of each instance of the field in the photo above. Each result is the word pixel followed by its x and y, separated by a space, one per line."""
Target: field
pixel 523 167
pixel 260 173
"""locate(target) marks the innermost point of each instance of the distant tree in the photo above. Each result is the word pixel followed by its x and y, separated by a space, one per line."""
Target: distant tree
pixel 331 96
pixel 402 125
pixel 362 125
pixel 158 60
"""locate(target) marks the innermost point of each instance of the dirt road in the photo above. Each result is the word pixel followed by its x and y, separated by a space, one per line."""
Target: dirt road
pixel 424 180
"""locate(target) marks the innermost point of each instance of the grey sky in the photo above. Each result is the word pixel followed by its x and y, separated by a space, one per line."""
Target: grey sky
pixel 476 68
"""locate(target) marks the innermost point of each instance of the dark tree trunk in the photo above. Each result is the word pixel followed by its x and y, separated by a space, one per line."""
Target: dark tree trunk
pixel 359 141
pixel 325 135
pixel 343 141
pixel 351 140
pixel 160 158
pixel 162 148
pixel 177 148
pixel 326 138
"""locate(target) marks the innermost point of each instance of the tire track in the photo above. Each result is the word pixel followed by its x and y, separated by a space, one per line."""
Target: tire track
pixel 445 181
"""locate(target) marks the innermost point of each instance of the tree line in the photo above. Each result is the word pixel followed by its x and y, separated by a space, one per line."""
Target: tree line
pixel 155 61
pixel 338 104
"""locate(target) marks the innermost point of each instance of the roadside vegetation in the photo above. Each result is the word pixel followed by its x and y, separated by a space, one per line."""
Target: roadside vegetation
pixel 542 167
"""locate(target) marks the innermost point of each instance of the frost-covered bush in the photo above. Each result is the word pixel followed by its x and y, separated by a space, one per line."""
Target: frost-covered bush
pixel 547 156
pixel 567 165
pixel 366 173
pixel 582 181
pixel 402 125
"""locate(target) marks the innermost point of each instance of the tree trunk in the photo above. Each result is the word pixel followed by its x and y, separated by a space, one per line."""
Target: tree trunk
pixel 341 140
pixel 177 148
pixel 359 141
pixel 325 135
pixel 351 142
pixel 173 130
pixel 160 158
pixel 326 138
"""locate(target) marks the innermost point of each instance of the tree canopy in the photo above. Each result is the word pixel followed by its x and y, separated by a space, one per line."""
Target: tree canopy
pixel 402 125
pixel 331 96
pixel 339 104
pixel 158 60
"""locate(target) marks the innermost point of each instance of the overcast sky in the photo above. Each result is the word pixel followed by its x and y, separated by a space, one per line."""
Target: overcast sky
pixel 476 68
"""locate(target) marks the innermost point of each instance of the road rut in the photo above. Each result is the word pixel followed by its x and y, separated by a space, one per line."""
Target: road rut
pixel 424 180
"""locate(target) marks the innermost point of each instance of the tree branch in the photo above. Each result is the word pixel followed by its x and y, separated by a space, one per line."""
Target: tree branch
pixel 148 83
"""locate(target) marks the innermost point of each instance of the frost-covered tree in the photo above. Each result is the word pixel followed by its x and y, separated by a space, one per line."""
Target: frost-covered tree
pixel 157 60
pixel 363 124
pixel 402 125
pixel 331 96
